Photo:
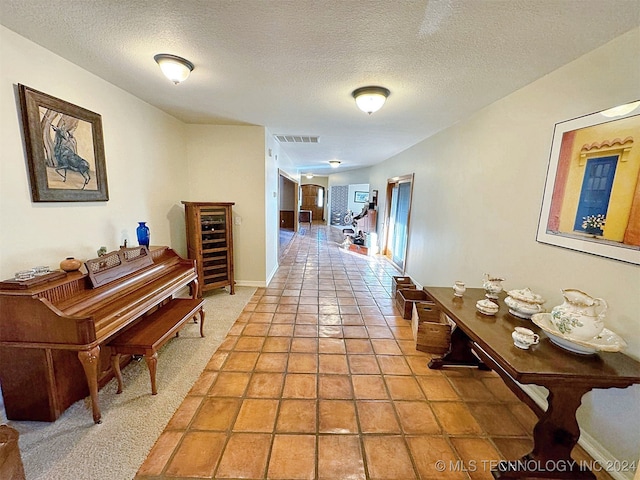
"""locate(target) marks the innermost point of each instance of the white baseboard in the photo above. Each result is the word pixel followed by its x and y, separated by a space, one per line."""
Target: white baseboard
pixel 250 283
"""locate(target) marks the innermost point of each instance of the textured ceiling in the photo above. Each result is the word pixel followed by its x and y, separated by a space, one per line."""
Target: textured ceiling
pixel 291 65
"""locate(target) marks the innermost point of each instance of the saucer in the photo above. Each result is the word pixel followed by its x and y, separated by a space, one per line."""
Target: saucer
pixel 606 341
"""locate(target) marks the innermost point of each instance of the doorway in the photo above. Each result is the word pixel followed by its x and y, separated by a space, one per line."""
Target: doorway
pixel 313 200
pixel 288 211
pixel 399 193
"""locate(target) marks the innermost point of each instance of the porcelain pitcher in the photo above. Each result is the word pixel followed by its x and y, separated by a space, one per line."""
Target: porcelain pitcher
pixel 580 316
pixel 492 286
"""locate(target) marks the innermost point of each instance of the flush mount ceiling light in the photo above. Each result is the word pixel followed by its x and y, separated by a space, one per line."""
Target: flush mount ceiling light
pixel 334 163
pixel 309 175
pixel 621 110
pixel 370 99
pixel 176 69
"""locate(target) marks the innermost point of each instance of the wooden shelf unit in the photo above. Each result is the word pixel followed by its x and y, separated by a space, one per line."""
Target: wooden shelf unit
pixel 210 243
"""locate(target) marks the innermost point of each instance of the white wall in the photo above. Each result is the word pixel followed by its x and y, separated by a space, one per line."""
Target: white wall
pixel 354 206
pixel 476 202
pixel 226 164
pixel 349 177
pixel 145 173
pixel 315 180
pixel 276 160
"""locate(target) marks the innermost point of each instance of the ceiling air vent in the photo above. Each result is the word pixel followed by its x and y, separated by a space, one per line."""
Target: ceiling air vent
pixel 298 138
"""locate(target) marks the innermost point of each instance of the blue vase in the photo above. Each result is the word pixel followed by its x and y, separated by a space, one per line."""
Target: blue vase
pixel 143 234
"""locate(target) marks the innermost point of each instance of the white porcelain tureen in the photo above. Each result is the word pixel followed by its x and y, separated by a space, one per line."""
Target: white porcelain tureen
pixel 524 303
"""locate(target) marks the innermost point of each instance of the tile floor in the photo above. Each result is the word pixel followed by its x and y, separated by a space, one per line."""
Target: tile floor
pixel 319 379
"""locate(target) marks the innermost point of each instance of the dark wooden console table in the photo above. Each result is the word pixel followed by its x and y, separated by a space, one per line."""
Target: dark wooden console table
pixel 567 376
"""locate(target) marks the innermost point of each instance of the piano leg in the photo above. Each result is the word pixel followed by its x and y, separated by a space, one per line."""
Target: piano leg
pixel 194 288
pixel 89 360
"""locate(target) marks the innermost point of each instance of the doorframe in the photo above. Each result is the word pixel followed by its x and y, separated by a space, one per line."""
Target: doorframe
pixel 387 217
pixel 296 200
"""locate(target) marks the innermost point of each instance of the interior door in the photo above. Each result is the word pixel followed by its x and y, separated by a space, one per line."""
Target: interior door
pixel 596 189
pixel 399 192
pixel 313 200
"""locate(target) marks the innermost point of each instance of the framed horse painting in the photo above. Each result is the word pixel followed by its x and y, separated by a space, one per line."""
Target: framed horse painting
pixel 65 149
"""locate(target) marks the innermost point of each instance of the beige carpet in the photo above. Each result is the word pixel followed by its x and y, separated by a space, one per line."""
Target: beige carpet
pixel 73 447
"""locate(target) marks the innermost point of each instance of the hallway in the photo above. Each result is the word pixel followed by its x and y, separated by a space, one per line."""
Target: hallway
pixel 319 379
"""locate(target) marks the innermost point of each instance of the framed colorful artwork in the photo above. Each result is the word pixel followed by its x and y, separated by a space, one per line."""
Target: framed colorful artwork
pixel 591 198
pixel 361 197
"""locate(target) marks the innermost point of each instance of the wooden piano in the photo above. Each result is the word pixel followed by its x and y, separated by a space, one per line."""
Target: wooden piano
pixel 53 334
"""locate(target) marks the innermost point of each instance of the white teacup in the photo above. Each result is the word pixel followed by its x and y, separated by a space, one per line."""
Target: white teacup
pixel 524 338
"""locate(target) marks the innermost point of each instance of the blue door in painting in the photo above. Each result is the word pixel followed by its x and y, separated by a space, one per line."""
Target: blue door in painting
pixel 596 189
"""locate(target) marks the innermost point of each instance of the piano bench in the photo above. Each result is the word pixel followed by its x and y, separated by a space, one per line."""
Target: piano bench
pixel 148 335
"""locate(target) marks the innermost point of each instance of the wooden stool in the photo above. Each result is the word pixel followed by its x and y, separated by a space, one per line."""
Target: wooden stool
pixel 148 335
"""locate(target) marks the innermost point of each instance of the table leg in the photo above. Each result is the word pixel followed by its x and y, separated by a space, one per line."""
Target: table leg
pixel 89 360
pixel 459 355
pixel 554 437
